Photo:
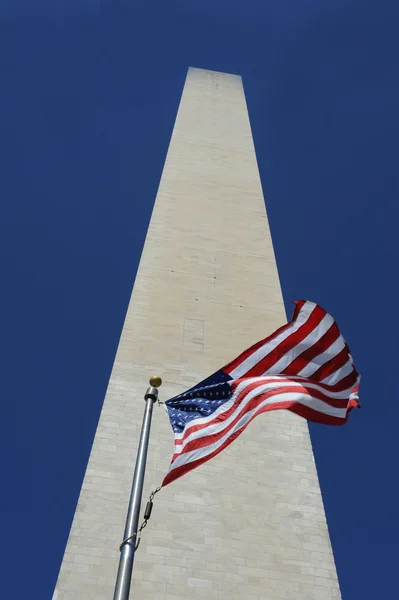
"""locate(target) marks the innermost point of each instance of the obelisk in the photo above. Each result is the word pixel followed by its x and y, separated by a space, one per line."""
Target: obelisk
pixel 250 523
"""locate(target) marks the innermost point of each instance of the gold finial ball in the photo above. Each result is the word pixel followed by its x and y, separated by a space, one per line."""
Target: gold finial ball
pixel 155 381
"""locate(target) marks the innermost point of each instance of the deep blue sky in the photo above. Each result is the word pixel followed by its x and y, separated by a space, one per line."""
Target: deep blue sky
pixel 88 96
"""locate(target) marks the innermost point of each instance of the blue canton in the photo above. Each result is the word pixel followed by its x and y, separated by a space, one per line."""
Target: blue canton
pixel 200 401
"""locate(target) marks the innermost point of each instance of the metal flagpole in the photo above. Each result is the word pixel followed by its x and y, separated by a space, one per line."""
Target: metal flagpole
pixel 128 546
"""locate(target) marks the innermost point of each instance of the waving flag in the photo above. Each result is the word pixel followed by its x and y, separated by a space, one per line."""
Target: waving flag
pixel 304 367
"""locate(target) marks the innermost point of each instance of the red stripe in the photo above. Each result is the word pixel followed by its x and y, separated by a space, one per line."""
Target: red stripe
pixel 344 384
pixel 335 363
pixel 303 411
pixel 244 355
pixel 264 365
pixel 208 439
pixel 330 336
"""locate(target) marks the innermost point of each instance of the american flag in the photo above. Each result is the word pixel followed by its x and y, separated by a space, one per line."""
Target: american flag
pixel 304 367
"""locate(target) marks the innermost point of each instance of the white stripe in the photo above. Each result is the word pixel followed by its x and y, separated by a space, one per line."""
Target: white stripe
pixel 263 351
pixel 339 374
pixel 305 344
pixel 304 399
pixel 216 426
pixel 323 357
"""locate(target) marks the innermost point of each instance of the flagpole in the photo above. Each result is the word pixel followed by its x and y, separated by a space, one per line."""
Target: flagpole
pixel 128 546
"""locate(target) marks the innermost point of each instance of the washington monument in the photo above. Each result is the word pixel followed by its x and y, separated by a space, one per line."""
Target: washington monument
pixel 250 523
